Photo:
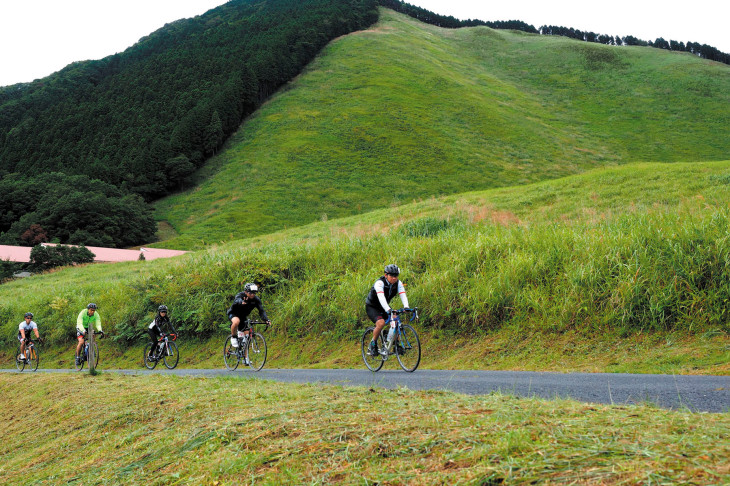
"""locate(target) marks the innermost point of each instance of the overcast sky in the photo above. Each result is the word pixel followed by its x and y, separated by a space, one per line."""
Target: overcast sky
pixel 39 37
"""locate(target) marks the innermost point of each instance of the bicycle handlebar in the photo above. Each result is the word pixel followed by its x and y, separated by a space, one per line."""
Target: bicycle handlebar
pixel 412 310
pixel 256 323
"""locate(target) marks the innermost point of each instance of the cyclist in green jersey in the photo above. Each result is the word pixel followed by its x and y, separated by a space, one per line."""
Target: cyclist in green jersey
pixel 86 318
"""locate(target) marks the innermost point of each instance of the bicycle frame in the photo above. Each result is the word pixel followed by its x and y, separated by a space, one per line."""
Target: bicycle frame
pixel 399 336
pixel 30 353
pixel 164 340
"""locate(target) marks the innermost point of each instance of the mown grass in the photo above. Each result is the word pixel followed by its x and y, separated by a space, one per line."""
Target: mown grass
pixel 405 111
pixel 111 429
pixel 636 255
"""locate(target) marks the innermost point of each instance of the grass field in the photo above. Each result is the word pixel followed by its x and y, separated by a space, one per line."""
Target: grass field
pixel 109 429
pixel 621 269
pixel 406 110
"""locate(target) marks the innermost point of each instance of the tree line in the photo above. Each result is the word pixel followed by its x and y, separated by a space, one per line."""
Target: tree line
pixel 702 50
pixel 116 133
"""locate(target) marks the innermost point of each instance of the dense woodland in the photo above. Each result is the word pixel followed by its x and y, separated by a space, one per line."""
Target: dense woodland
pixel 102 137
pixel 84 150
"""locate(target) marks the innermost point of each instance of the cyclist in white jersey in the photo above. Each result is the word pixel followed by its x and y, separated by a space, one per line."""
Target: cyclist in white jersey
pixel 24 330
pixel 377 303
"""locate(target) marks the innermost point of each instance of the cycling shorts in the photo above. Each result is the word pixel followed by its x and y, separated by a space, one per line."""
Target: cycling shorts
pixel 80 334
pixel 375 314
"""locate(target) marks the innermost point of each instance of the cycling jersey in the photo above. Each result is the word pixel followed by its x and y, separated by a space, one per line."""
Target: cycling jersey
pixel 84 319
pixel 160 324
pixel 383 292
pixel 242 308
pixel 27 326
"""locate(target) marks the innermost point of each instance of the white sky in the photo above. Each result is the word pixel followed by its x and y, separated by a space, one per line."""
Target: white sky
pixel 39 37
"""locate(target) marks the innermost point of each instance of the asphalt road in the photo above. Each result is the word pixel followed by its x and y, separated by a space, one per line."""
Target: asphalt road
pixel 694 393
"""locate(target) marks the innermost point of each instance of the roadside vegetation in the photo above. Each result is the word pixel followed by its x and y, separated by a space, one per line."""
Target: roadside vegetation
pixel 153 429
pixel 632 258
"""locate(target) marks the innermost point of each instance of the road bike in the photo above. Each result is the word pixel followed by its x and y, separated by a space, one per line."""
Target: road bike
pixel 31 356
pixel 251 349
pixel 165 350
pixel 79 365
pixel 403 342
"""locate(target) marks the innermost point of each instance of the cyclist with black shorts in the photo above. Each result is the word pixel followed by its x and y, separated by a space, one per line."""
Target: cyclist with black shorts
pixel 84 321
pixel 243 303
pixel 159 326
pixel 377 303
pixel 24 330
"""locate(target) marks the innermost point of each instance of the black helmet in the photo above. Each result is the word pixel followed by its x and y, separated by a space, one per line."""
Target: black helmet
pixel 29 314
pixel 251 287
pixel 392 269
pixel 91 306
pixel 162 308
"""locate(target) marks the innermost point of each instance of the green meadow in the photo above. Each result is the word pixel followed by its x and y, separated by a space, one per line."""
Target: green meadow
pixel 620 269
pixel 407 111
pixel 113 429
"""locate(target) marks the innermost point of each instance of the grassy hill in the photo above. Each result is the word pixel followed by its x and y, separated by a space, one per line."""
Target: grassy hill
pixel 406 110
pixel 620 269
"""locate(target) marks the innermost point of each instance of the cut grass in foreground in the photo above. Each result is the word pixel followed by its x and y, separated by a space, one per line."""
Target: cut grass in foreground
pixel 113 429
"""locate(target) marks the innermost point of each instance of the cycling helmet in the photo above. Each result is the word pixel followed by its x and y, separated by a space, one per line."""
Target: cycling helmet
pixel 91 306
pixel 392 269
pixel 162 308
pixel 29 314
pixel 251 287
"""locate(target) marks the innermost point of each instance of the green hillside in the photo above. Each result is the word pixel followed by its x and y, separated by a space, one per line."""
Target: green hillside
pixel 621 269
pixel 406 110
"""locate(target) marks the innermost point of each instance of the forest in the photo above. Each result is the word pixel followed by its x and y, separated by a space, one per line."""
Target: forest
pixel 107 136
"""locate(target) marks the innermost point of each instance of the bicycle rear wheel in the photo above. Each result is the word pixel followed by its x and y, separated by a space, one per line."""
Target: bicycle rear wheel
pixel 230 355
pixel 171 355
pixel 256 351
pixel 408 348
pixel 34 358
pixel 148 363
pixel 374 363
pixel 19 363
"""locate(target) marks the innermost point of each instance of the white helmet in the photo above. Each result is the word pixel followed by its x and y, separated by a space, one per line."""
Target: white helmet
pixel 251 287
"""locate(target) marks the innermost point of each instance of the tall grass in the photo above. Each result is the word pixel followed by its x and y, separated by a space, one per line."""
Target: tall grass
pixel 541 260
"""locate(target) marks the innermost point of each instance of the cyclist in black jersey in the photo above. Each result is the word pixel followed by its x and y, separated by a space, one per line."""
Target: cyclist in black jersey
pixel 377 303
pixel 159 326
pixel 243 303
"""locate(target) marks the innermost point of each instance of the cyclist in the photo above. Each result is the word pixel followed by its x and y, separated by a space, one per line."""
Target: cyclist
pixel 243 304
pixel 376 305
pixel 86 317
pixel 158 326
pixel 24 330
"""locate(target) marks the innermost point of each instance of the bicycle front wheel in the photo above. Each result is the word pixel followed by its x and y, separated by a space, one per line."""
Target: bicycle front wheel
pixel 374 363
pixel 172 356
pixel 408 348
pixel 148 363
pixel 96 355
pixel 231 357
pixel 34 358
pixel 80 365
pixel 19 363
pixel 256 351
